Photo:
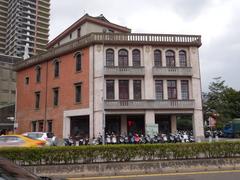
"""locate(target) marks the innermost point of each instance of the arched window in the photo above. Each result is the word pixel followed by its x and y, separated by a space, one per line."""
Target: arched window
pixel 182 58
pixel 136 57
pixel 78 58
pixel 56 68
pixel 38 73
pixel 123 58
pixel 157 58
pixel 170 58
pixel 109 57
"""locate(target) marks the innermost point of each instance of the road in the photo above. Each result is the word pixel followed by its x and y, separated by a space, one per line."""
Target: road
pixel 210 175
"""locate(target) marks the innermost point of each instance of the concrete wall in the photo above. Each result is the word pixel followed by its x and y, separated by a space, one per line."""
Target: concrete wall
pixel 145 167
pixel 7 84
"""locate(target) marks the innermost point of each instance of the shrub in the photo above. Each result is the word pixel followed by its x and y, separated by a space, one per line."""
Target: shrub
pixel 120 153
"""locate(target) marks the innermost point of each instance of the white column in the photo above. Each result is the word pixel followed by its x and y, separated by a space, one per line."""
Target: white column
pixel 173 123
pixel 177 58
pixel 196 93
pixel 130 63
pixel 148 78
pixel 163 58
pixel 165 90
pixel 66 127
pixel 179 90
pixel 116 89
pixel 130 89
pixel 115 57
pixel 98 123
pixel 124 124
pixel 149 117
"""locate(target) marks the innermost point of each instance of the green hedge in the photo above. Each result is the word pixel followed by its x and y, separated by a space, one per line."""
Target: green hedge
pixel 120 153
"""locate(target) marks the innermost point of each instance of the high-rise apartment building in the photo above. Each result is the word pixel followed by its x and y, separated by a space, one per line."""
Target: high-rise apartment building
pixel 3 24
pixel 24 24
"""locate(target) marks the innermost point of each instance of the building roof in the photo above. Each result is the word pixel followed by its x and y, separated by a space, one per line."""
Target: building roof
pixel 9 59
pixel 100 20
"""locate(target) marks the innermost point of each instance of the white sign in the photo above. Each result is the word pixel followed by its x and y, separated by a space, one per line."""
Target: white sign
pixel 151 129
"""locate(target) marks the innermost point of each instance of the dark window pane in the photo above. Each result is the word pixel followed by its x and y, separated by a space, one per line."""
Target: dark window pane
pixel 182 59
pixel 78 62
pixel 34 126
pixel 123 89
pixel 110 89
pixel 56 69
pixel 49 127
pixel 170 58
pixel 185 89
pixel 159 89
pixel 157 58
pixel 55 96
pixel 37 100
pixel 172 89
pixel 78 89
pixel 136 57
pixel 38 74
pixel 137 89
pixel 110 58
pixel 26 80
pixel 123 58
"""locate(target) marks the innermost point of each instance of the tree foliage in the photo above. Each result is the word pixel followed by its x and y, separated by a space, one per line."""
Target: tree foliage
pixel 221 100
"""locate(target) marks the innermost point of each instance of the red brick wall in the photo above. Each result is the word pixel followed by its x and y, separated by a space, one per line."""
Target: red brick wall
pixel 26 112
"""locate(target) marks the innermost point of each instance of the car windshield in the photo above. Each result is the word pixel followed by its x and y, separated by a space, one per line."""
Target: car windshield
pixel 35 135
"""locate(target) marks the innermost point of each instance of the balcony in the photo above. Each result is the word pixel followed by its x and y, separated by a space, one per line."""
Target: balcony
pixel 148 104
pixel 172 71
pixel 124 71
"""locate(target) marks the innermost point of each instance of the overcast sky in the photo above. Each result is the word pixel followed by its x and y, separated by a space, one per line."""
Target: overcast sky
pixel 218 21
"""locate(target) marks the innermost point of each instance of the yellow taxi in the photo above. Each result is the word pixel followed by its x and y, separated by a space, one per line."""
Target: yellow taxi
pixel 19 141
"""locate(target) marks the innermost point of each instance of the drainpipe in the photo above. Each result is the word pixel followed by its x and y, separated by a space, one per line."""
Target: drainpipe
pixel 93 128
pixel 46 94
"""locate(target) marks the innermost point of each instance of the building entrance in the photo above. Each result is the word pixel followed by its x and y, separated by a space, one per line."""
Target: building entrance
pixel 135 124
pixel 113 124
pixel 79 126
pixel 164 123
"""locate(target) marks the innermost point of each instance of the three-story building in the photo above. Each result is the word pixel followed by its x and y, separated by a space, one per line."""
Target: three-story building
pixel 110 80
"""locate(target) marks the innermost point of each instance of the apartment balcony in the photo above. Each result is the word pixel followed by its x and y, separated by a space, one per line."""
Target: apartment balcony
pixel 124 71
pixel 149 104
pixel 172 71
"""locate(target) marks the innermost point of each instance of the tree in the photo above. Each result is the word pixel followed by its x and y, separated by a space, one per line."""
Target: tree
pixel 222 101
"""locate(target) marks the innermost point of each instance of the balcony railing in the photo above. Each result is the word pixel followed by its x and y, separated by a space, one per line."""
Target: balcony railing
pixel 113 39
pixel 148 104
pixel 172 71
pixel 124 71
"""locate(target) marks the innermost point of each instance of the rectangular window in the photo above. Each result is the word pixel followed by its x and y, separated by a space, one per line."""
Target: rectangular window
pixel 159 89
pixel 38 74
pixel 37 100
pixel 110 89
pixel 55 96
pixel 172 89
pixel 123 89
pixel 56 69
pixel 78 91
pixel 79 32
pixel 137 89
pixel 26 80
pixel 70 35
pixel 185 89
pixel 78 62
pixel 34 126
pixel 49 125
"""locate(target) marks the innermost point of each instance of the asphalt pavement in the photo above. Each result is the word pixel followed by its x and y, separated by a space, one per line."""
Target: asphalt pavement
pixel 206 175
